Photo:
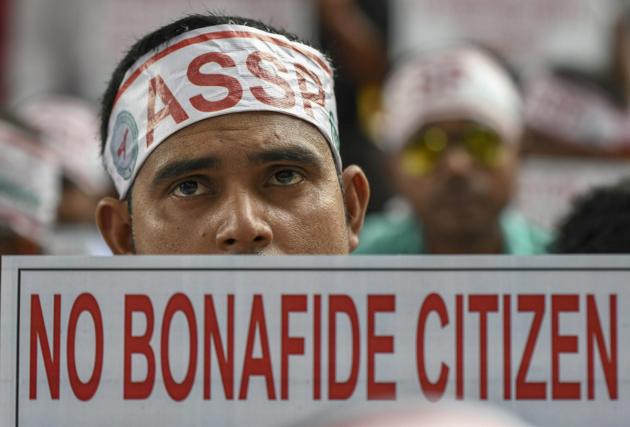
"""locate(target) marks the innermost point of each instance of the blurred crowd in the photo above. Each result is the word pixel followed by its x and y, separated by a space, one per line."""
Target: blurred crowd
pixel 484 126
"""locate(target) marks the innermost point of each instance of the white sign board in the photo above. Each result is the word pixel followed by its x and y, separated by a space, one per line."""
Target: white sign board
pixel 270 341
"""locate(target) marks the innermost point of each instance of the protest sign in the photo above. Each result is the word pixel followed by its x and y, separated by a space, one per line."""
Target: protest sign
pixel 269 341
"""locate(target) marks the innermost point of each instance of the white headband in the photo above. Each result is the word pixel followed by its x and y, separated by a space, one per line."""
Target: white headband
pixel 69 127
pixel 29 184
pixel 210 72
pixel 456 83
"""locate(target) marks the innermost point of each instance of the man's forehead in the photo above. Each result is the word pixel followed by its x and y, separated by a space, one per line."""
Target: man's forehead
pixel 241 135
pixel 254 123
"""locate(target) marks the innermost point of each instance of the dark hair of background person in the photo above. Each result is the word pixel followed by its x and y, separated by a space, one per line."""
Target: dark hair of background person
pixel 599 223
pixel 162 35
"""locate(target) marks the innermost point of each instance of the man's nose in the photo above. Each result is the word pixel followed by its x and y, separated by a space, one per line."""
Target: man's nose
pixel 457 161
pixel 244 228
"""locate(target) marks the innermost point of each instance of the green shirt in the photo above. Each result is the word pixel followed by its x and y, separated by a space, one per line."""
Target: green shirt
pixel 383 234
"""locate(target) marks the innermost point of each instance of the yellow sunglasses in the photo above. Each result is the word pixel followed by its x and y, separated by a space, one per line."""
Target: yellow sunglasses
pixel 424 151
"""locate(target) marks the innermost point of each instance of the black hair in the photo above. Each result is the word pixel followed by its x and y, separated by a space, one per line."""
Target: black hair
pixel 599 222
pixel 162 35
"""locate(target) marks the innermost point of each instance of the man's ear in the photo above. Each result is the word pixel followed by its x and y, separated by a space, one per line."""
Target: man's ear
pixel 357 195
pixel 114 222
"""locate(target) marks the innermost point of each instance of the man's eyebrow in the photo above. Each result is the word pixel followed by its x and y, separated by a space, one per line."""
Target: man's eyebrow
pixel 178 168
pixel 291 154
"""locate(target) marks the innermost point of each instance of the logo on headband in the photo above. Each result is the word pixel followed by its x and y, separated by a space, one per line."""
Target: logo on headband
pixel 124 146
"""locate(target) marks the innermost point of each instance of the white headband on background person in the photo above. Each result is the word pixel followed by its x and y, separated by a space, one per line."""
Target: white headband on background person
pixel 69 127
pixel 446 84
pixel 209 72
pixel 29 184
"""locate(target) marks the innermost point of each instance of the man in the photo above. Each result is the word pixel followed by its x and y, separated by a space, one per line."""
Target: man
pixel 452 124
pixel 29 188
pixel 220 134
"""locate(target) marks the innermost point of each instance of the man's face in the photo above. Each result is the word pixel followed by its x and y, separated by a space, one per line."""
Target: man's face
pixel 261 183
pixel 458 175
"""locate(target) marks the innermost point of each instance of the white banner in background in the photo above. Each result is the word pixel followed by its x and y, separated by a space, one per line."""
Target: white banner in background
pixel 529 33
pixel 270 341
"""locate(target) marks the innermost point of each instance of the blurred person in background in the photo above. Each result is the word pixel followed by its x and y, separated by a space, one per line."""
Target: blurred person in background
pixel 29 189
pixel 599 222
pixel 68 126
pixel 577 121
pixel 452 125
pixel 573 111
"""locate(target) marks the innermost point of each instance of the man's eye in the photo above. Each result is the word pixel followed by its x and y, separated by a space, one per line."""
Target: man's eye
pixel 286 177
pixel 190 188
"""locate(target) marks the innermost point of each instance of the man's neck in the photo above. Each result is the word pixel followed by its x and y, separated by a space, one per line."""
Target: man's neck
pixel 487 242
